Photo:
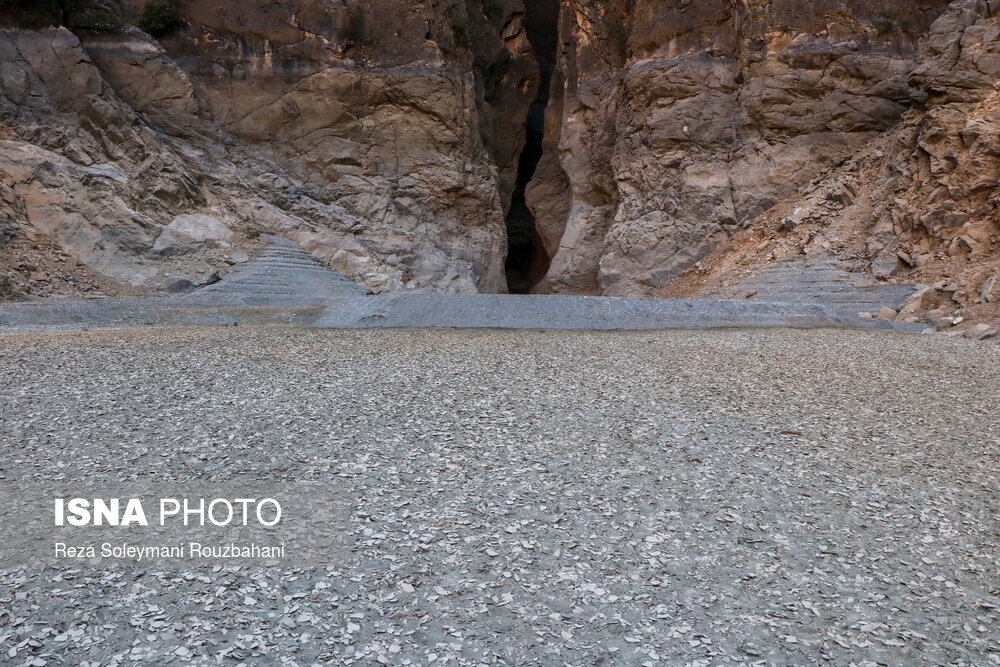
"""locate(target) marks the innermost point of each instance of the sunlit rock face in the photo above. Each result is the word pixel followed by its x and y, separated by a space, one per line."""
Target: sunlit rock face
pixel 675 124
pixel 386 137
pixel 383 136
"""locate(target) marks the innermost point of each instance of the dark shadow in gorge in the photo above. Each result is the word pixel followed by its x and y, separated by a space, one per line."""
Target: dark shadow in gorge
pixel 527 261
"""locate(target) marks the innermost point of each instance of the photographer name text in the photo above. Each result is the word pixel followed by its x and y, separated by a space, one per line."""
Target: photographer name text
pixel 191 550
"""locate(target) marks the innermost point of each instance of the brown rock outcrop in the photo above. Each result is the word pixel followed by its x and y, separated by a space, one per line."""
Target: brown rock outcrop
pixel 917 203
pixel 686 144
pixel 389 148
pixel 681 122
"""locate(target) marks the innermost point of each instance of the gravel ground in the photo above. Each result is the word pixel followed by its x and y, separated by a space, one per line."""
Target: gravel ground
pixel 696 497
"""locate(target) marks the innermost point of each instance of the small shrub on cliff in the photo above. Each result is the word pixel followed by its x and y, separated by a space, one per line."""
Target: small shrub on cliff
pixel 357 26
pixel 891 20
pixel 446 40
pixel 160 17
pixel 99 17
pixel 460 29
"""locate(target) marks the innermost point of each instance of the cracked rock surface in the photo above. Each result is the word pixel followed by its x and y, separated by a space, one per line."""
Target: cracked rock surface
pixel 702 498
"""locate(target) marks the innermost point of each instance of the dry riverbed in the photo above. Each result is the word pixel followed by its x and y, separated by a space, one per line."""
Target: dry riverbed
pixel 679 497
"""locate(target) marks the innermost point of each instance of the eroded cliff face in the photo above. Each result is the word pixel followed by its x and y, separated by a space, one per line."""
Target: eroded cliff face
pixel 384 136
pixel 917 203
pixel 681 122
pixel 686 143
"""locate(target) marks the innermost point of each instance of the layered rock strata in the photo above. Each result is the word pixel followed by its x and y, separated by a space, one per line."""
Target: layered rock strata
pixel 383 136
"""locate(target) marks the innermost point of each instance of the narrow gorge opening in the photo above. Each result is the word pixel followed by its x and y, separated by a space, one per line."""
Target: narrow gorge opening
pixel 527 261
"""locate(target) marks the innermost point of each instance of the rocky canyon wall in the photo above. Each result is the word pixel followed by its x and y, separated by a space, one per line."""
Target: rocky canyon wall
pixel 677 123
pixel 917 203
pixel 382 135
pixel 617 147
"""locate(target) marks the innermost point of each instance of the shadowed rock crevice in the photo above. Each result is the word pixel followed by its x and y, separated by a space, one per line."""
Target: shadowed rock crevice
pixel 527 261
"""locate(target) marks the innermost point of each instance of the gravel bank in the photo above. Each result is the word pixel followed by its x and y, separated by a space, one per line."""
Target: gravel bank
pixel 679 497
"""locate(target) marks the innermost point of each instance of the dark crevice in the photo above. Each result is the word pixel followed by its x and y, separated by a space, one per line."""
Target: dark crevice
pixel 527 261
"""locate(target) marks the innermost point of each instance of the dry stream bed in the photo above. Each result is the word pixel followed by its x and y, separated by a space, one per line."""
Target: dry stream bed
pixel 678 497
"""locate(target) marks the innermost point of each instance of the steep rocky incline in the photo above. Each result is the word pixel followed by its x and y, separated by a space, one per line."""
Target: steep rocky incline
pixel 917 204
pixel 680 122
pixel 384 137
pixel 688 145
